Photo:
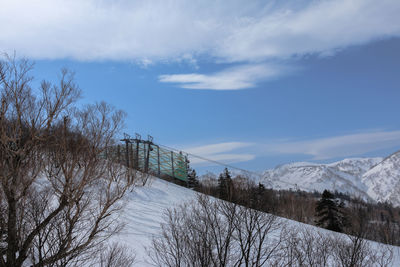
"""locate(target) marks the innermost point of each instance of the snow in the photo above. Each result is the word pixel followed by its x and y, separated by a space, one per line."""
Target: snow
pixel 343 176
pixel 375 179
pixel 144 209
pixel 143 213
pixel 383 180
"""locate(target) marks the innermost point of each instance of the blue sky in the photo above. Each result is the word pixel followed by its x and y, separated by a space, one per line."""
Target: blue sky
pixel 252 85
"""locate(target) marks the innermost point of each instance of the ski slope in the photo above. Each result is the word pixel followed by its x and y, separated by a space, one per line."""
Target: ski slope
pixel 143 212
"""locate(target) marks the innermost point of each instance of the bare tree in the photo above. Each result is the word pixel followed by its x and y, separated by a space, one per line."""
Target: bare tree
pixel 212 232
pixel 303 246
pixel 219 217
pixel 195 234
pixel 383 255
pixel 354 251
pixel 258 237
pixel 117 255
pixel 57 194
pixel 169 249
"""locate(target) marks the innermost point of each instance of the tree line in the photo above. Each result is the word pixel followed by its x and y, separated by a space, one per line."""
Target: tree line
pixel 331 210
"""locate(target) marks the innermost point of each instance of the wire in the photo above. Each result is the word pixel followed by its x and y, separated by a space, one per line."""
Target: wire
pixel 209 160
pixel 233 167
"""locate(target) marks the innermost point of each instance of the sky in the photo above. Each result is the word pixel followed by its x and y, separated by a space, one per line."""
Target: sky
pixel 253 84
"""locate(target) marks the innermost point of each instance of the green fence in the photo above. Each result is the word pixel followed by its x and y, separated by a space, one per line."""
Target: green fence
pixel 150 158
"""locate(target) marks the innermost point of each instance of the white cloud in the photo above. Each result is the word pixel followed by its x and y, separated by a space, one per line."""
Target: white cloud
pixel 238 31
pixel 252 34
pixel 225 158
pixel 339 146
pixel 145 63
pixel 319 27
pixel 218 152
pixel 241 77
pixel 343 146
pixel 205 150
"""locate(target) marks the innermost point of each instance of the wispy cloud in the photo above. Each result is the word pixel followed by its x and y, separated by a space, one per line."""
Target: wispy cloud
pixel 219 152
pixel 245 76
pixel 339 146
pixel 317 27
pixel 333 147
pixel 168 30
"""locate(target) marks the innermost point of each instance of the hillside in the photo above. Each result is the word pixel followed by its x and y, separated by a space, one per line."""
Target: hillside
pixel 383 180
pixel 375 179
pixel 343 176
pixel 143 213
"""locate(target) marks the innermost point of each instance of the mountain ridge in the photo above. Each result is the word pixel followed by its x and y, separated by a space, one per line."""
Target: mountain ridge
pixel 376 179
pixel 383 180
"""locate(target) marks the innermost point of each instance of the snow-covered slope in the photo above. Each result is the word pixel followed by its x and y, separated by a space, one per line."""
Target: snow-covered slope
pixel 143 213
pixel 383 180
pixel 343 176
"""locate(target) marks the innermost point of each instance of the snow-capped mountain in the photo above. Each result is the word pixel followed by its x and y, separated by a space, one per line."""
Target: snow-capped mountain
pixel 376 179
pixel 343 176
pixel 383 180
pixel 370 178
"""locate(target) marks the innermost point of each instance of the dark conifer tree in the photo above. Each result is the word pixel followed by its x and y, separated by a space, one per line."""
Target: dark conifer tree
pixel 225 185
pixel 344 216
pixel 256 196
pixel 261 189
pixel 329 214
pixel 193 181
pixel 260 195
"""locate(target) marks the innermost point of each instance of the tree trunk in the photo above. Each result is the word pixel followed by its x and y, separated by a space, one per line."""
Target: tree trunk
pixel 12 246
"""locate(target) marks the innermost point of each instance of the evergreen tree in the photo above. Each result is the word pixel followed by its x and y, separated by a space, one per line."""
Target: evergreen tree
pixel 329 213
pixel 193 181
pixel 225 185
pixel 343 215
pixel 261 189
pixel 256 196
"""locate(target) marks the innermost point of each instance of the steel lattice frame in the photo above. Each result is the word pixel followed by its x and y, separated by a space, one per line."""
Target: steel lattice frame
pixel 151 158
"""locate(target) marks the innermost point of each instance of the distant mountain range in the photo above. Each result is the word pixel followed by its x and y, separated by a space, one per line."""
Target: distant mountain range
pixel 376 179
pixel 370 178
